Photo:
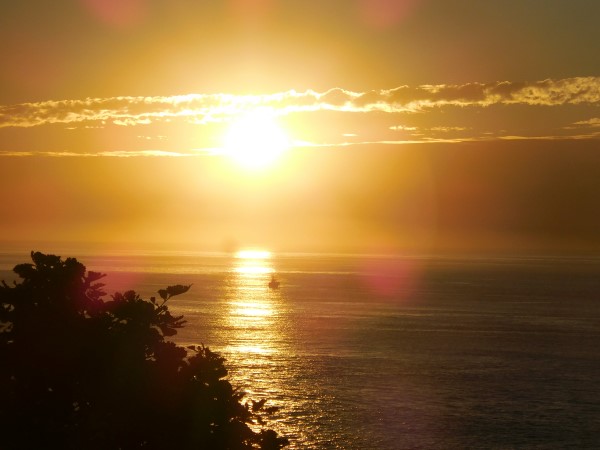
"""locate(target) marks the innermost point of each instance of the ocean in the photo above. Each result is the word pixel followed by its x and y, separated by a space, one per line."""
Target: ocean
pixel 403 352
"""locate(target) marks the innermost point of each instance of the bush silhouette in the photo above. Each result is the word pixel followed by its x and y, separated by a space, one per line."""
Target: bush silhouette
pixel 81 372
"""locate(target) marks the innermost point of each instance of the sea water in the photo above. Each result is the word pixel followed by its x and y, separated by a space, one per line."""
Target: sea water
pixel 380 352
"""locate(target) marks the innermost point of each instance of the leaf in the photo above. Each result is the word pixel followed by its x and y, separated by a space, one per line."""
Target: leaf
pixel 24 270
pixel 257 406
pixel 177 289
pixel 172 291
pixel 94 276
pixel 167 331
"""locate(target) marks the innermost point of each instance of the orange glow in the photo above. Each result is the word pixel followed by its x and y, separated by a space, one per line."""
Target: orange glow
pixel 380 127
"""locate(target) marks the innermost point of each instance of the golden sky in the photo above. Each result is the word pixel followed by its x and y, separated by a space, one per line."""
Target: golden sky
pixel 408 125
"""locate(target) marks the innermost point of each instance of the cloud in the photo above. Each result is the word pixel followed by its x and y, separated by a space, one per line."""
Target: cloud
pixel 590 123
pixel 18 154
pixel 403 128
pixel 550 137
pixel 127 122
pixel 135 153
pixel 448 129
pixel 113 153
pixel 205 108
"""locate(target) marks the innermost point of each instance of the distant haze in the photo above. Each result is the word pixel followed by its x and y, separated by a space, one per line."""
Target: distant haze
pixel 505 196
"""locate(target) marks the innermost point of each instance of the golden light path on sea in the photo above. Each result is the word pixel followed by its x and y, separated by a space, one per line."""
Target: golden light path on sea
pixel 257 333
pixel 252 308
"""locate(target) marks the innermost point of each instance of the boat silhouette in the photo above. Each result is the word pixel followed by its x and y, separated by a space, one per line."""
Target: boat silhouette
pixel 274 283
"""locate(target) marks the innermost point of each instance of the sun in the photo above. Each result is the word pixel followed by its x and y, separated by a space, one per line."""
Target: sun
pixel 255 140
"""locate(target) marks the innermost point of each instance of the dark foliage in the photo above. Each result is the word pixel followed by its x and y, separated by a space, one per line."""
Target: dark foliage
pixel 80 372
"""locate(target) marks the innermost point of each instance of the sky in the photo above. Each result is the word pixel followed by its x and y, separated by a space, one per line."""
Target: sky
pixel 395 125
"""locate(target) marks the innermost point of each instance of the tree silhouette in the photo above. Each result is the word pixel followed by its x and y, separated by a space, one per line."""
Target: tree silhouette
pixel 78 371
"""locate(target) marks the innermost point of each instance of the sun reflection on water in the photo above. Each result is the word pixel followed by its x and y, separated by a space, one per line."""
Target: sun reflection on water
pixel 258 338
pixel 253 270
pixel 252 263
pixel 253 254
pixel 253 308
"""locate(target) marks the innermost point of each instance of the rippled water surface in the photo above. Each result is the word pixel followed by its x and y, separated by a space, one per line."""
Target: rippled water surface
pixel 392 353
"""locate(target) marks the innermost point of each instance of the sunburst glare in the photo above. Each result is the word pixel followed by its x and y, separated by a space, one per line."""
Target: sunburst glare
pixel 253 254
pixel 256 140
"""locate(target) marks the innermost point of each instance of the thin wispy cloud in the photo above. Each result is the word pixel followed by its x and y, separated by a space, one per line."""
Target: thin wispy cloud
pixel 590 123
pixel 205 108
pixel 113 153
